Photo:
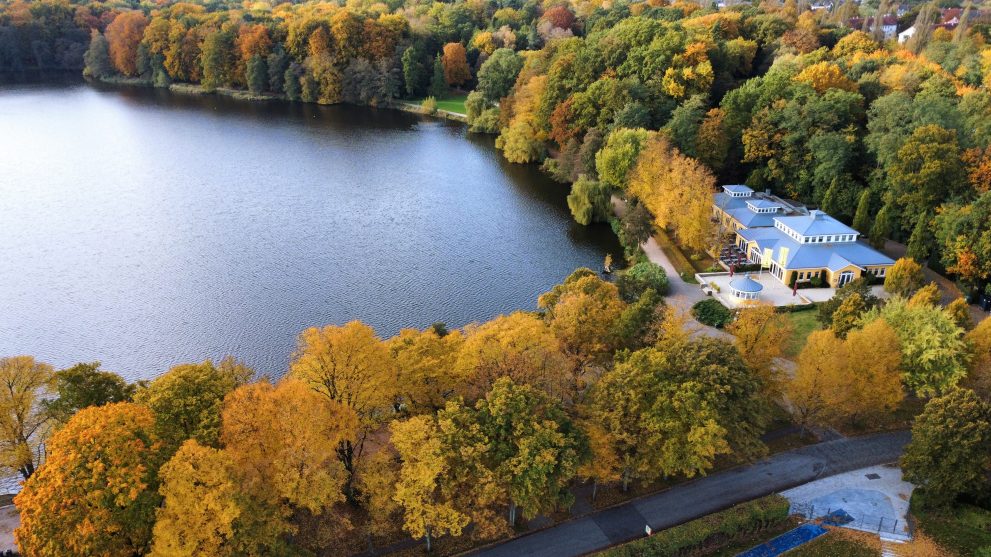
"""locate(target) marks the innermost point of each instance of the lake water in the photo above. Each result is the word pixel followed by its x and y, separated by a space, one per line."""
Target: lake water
pixel 144 229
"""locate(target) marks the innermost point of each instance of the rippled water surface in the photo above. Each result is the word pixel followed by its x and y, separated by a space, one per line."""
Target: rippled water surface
pixel 143 229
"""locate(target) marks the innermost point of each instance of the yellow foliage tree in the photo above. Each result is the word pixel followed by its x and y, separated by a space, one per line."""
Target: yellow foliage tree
pixel 979 343
pixel 284 443
pixel 97 491
pixel 24 383
pixel 519 346
pixel 678 192
pixel 425 362
pixel 200 504
pixel 759 332
pixel 928 295
pixel 904 277
pixel 856 380
pixel 351 366
pixel 426 512
pixel 823 76
pixel 582 313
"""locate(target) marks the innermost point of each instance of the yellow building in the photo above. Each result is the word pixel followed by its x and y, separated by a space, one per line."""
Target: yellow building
pixel 795 244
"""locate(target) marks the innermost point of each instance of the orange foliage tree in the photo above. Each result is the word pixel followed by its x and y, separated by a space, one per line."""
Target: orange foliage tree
pixel 455 63
pixel 124 35
pixel 98 491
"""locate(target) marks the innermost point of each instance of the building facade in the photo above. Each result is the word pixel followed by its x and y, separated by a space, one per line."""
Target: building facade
pixel 795 244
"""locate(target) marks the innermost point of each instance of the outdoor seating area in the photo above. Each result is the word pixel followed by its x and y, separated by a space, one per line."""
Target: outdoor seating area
pixel 731 256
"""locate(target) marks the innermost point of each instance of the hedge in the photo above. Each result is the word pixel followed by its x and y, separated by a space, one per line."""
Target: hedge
pixel 745 518
pixel 712 313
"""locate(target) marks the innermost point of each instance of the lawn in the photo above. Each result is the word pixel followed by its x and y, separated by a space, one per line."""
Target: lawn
pixel 962 529
pixel 454 104
pixel 802 323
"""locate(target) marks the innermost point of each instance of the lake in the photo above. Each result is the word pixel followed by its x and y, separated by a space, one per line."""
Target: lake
pixel 143 229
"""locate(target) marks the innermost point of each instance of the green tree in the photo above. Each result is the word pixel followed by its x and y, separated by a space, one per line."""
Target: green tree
pixel 644 275
pixel 84 385
pixel 97 57
pixel 187 400
pixel 534 449
pixel 588 201
pixel 927 170
pixel 949 452
pixel 619 155
pixel 414 72
pixel 257 74
pixel 933 349
pixel 862 219
pixel 438 85
pixel 498 73
pixel 921 242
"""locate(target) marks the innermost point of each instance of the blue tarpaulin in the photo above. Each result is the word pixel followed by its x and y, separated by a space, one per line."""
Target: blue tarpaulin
pixel 787 541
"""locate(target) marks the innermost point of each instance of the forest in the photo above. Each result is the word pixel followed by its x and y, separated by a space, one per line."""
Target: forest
pixel 612 97
pixel 459 436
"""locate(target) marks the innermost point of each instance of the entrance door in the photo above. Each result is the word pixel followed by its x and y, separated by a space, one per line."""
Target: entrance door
pixel 845 277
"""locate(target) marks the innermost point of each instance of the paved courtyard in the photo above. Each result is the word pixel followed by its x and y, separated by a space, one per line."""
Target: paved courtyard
pixel 774 292
pixel 875 498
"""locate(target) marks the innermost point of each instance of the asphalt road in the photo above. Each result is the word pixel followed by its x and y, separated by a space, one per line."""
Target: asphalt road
pixel 703 496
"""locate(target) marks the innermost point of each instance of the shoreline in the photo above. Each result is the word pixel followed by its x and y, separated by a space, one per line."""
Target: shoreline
pixel 244 95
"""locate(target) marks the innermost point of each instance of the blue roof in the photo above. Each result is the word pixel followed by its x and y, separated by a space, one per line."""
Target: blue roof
pixel 832 256
pixel 737 188
pixel 746 284
pixel 816 223
pixel 762 203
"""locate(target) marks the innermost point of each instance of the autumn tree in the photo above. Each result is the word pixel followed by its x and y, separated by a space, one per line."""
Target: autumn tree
pixel 847 314
pixel 928 295
pixel 123 36
pixel 933 350
pixel 519 346
pixel 904 278
pixel 758 334
pixel 670 410
pixel 498 74
pixel 456 70
pixel 823 76
pixel 187 399
pixel 427 511
pixel 619 155
pixel 979 366
pixel 24 386
pixel 84 385
pixel 351 366
pixel 678 192
pixel 97 491
pixel 284 442
pixel 948 454
pixel 582 312
pixel 201 504
pixel 533 448
pixel 425 362
pixel 927 170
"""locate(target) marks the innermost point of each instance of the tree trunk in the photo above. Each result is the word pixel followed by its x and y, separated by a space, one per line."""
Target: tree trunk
pixel 428 539
pixel 512 513
pixel 626 480
pixel 595 489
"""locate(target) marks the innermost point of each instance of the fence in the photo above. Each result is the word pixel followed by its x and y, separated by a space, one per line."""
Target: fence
pixel 865 523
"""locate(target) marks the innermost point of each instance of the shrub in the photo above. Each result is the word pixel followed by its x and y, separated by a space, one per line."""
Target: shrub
pixel 745 518
pixel 429 105
pixel 637 279
pixel 711 312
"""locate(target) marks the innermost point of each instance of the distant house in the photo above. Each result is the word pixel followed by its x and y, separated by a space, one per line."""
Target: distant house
pixel 906 34
pixel 793 243
pixel 889 24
